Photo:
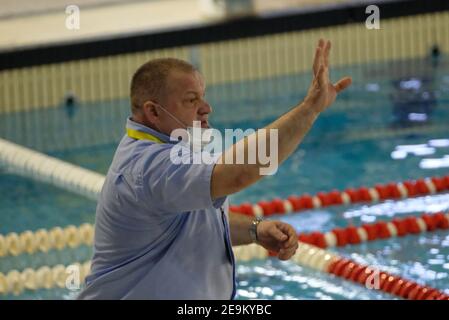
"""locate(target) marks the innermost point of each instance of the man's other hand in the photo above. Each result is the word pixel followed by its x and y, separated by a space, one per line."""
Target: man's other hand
pixel 278 237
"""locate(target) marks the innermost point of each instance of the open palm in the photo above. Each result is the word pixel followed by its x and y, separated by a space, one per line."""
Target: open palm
pixel 322 92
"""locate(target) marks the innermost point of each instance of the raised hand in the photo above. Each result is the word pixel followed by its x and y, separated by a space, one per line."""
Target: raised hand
pixel 322 92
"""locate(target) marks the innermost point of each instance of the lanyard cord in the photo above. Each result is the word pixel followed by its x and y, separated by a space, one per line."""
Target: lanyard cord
pixel 139 135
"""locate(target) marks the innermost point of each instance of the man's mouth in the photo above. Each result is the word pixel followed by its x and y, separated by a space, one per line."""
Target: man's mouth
pixel 204 124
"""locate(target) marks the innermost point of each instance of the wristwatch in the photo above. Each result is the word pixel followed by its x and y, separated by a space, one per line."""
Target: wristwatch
pixel 253 229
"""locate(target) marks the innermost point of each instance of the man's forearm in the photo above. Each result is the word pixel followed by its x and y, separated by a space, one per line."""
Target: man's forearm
pixel 292 127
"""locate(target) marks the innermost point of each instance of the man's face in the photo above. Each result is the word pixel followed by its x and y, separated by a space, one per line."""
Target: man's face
pixel 185 100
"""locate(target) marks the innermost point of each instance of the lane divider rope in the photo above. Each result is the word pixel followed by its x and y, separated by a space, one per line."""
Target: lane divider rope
pixel 41 167
pixel 45 277
pixel 307 255
pixel 36 165
pixel 71 236
pixel 377 193
pixel 44 240
pixel 322 260
pixel 397 227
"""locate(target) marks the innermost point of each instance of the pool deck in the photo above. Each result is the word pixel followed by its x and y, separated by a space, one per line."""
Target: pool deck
pixel 97 22
pixel 109 19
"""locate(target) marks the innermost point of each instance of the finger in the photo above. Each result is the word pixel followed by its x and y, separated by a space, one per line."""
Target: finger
pixel 327 50
pixel 321 77
pixel 278 234
pixel 292 237
pixel 291 242
pixel 316 61
pixel 322 46
pixel 321 43
pixel 286 254
pixel 342 84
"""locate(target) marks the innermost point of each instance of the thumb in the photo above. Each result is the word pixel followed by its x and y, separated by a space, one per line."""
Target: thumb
pixel 342 84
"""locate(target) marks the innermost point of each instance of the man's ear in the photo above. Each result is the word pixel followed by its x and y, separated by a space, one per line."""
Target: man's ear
pixel 150 111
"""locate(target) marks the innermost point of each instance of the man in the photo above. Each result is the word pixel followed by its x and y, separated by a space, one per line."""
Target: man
pixel 162 229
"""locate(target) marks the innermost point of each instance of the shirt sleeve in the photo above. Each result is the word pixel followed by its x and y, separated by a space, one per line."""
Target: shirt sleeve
pixel 174 187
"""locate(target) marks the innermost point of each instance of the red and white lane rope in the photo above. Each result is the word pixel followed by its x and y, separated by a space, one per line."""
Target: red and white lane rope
pixel 73 236
pixel 371 277
pixel 401 190
pixel 397 227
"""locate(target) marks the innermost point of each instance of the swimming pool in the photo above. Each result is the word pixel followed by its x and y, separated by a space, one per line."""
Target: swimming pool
pixel 363 139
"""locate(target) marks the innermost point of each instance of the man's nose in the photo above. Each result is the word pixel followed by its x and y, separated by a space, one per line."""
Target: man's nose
pixel 205 108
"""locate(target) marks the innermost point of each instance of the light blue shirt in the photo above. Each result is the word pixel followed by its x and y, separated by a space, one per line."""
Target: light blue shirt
pixel 158 233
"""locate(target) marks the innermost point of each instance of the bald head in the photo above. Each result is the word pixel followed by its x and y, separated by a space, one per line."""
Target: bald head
pixel 149 82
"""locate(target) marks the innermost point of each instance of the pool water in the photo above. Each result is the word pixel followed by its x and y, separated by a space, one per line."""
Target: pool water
pixel 366 137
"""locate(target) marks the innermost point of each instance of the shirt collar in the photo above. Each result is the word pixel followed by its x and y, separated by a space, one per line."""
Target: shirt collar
pixel 130 124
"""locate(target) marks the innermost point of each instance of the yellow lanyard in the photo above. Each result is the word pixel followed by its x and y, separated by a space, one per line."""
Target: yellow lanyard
pixel 139 135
